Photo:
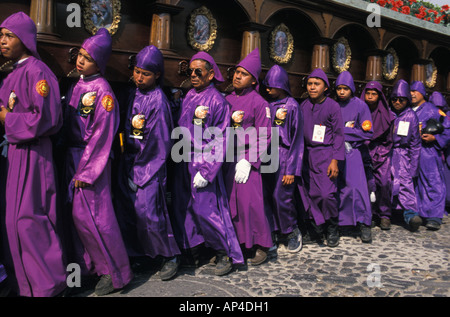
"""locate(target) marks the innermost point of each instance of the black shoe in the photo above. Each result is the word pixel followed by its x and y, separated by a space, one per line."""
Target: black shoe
pixel 333 234
pixel 223 265
pixel 414 223
pixel 385 224
pixel 366 233
pixel 294 241
pixel 104 286
pixel 433 225
pixel 169 270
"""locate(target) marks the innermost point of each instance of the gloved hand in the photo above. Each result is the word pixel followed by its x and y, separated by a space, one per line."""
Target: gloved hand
pixel 132 185
pixel 199 181
pixel 373 198
pixel 242 171
pixel 348 147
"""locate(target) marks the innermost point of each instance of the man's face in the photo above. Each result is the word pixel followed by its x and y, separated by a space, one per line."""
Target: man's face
pixel 371 97
pixel 200 76
pixel 316 88
pixel 343 92
pixel 85 64
pixel 144 79
pixel 242 79
pixel 275 93
pixel 399 103
pixel 11 46
pixel 416 97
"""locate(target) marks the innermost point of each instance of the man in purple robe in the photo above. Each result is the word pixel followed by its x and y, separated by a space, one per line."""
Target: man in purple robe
pixel 91 121
pixel 31 114
pixel 430 187
pixel 439 101
pixel 405 154
pixel 354 202
pixel 251 119
pixel 376 153
pixel 279 187
pixel 200 208
pixel 323 131
pixel 148 144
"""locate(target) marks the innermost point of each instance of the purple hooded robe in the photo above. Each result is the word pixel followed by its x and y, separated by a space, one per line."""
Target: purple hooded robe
pixel 378 153
pixel 405 152
pixel 319 193
pixel 31 93
pixel 91 121
pixel 249 112
pixel 148 145
pixel 354 202
pixel 287 117
pixel 202 215
pixel 430 187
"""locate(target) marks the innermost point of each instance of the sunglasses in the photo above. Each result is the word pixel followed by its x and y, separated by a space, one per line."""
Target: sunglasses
pixel 401 99
pixel 198 72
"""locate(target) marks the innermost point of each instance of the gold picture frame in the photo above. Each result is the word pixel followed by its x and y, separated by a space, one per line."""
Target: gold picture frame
pixel 341 55
pixel 202 29
pixel 101 14
pixel 281 45
pixel 390 64
pixel 430 74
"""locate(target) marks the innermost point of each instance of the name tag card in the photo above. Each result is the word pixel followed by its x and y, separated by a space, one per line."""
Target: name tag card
pixel 403 128
pixel 318 133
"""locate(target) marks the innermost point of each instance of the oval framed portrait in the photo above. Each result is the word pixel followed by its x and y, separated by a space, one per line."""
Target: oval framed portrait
pixel 341 55
pixel 430 74
pixel 99 14
pixel 281 45
pixel 390 64
pixel 202 30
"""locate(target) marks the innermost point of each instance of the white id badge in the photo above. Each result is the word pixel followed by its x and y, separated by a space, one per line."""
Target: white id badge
pixel 318 133
pixel 403 128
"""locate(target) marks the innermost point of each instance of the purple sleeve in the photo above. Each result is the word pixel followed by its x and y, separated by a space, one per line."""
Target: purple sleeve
pixel 295 157
pixel 415 145
pixel 337 124
pixel 363 129
pixel 262 121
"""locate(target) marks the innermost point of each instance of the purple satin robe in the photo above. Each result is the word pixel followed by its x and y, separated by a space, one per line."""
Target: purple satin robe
pixel 354 202
pixel 319 193
pixel 430 187
pixel 405 161
pixel 246 199
pixel 31 214
pixel 148 145
pixel 90 132
pixel 203 214
pixel 280 204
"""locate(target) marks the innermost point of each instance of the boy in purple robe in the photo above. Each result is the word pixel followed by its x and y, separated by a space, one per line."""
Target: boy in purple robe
pixel 148 144
pixel 405 154
pixel 251 120
pixel 377 152
pixel 430 187
pixel 323 131
pixel 200 208
pixel 91 122
pixel 354 202
pixel 31 114
pixel 279 187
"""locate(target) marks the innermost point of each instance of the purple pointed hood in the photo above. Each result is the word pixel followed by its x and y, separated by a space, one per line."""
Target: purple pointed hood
pixel 277 77
pixel 218 78
pixel 252 63
pixel 420 87
pixel 401 89
pixel 99 47
pixel 151 59
pixel 346 79
pixel 319 73
pixel 438 99
pixel 25 29
pixel 378 87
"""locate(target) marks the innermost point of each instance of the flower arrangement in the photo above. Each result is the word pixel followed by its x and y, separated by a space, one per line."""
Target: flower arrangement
pixel 419 9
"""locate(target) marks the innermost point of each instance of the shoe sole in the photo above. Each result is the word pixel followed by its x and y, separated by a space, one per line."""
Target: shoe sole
pixel 415 224
pixel 223 272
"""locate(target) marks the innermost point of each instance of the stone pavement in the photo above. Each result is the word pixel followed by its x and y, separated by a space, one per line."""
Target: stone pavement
pixel 398 263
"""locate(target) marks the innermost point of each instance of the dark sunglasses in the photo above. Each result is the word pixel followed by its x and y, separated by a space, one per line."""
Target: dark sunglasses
pixel 401 99
pixel 198 72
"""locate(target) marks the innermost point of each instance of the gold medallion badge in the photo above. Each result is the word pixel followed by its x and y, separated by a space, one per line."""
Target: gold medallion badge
pixel 367 125
pixel 42 88
pixel 108 103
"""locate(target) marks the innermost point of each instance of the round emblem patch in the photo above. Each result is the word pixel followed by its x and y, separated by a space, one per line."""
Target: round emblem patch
pixel 108 103
pixel 367 125
pixel 42 88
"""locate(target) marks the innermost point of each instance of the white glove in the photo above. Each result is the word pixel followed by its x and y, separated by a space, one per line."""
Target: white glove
pixel 132 185
pixel 199 181
pixel 348 147
pixel 242 171
pixel 373 198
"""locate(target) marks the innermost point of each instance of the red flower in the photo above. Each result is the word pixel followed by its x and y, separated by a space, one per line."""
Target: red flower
pixel 412 1
pixel 445 7
pixel 406 10
pixel 381 2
